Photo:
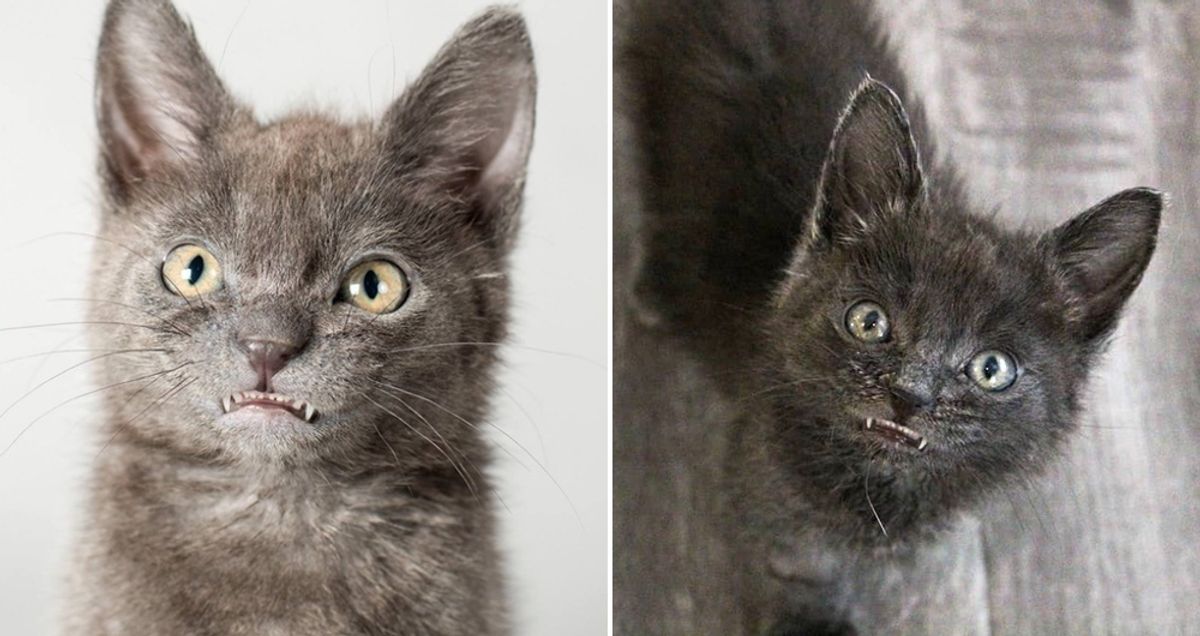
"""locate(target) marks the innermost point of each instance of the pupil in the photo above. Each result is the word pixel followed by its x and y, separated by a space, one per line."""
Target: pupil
pixel 371 284
pixel 870 320
pixel 194 270
pixel 991 367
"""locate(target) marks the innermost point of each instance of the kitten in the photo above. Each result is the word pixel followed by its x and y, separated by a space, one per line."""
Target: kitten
pixel 893 353
pixel 293 446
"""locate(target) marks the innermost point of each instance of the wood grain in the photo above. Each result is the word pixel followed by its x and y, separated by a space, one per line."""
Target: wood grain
pixel 1050 107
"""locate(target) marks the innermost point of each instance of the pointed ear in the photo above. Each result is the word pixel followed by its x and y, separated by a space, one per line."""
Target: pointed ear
pixel 1102 254
pixel 157 97
pixel 872 169
pixel 466 125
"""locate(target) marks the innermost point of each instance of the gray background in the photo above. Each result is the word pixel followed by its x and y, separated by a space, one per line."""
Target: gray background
pixel 352 57
pixel 1048 107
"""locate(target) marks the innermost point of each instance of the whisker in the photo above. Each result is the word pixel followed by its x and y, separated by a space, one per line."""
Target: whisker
pixel 529 418
pixel 867 491
pixel 502 432
pixel 391 387
pixel 466 480
pixel 83 395
pixel 36 372
pixel 61 351
pixel 379 434
pixel 110 241
pixel 462 456
pixel 83 322
pixel 180 330
pixel 90 236
pixel 450 258
pixel 132 396
pixel 161 399
pixel 54 377
pixel 439 345
pixel 785 385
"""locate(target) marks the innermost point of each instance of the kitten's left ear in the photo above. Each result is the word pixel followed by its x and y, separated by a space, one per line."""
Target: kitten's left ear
pixel 466 125
pixel 1103 252
pixel 872 168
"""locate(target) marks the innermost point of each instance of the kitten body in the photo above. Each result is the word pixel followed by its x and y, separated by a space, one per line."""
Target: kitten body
pixel 784 184
pixel 372 512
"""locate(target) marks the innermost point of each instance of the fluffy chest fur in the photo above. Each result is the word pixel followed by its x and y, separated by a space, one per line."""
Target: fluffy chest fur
pixel 219 550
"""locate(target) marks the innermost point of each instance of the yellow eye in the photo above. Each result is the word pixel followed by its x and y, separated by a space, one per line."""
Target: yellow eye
pixel 191 271
pixel 375 286
pixel 868 322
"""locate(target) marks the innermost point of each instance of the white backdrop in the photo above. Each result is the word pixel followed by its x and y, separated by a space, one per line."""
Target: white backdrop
pixel 352 57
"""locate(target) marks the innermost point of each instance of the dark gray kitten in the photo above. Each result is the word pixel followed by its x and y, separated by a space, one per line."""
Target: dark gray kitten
pixel 293 446
pixel 894 354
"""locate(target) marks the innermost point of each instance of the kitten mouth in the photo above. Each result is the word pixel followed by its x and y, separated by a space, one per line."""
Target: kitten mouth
pixel 895 432
pixel 300 408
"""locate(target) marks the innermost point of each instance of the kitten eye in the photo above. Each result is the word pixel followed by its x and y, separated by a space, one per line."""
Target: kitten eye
pixel 191 271
pixel 868 322
pixel 993 370
pixel 375 286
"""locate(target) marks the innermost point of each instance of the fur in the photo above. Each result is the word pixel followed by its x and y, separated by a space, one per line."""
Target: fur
pixel 784 180
pixel 377 517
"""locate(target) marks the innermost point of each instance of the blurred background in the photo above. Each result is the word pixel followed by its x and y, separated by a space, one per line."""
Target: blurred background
pixel 352 58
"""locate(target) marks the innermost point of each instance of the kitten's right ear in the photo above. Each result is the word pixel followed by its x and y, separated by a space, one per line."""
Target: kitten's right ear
pixel 157 97
pixel 872 169
pixel 466 125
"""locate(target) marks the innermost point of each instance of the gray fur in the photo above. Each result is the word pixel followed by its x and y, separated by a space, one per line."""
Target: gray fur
pixel 377 518
pixel 782 185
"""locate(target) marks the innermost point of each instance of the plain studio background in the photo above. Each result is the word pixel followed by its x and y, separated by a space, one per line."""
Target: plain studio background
pixel 351 58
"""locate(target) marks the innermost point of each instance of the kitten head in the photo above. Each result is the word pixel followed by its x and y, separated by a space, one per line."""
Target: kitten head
pixel 921 355
pixel 304 287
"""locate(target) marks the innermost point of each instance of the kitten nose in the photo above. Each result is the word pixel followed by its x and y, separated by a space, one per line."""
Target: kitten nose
pixel 912 396
pixel 267 357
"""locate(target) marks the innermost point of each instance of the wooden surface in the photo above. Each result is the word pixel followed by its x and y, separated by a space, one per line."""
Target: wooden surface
pixel 1048 107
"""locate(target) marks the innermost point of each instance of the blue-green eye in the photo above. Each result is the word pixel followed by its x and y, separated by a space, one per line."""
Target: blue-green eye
pixel 868 322
pixel 992 370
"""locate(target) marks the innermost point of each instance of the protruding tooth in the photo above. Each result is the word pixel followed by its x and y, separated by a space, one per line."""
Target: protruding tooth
pixel 227 403
pixel 923 444
pixel 309 412
pixel 870 423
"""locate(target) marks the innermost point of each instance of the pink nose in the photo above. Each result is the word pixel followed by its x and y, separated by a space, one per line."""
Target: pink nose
pixel 267 357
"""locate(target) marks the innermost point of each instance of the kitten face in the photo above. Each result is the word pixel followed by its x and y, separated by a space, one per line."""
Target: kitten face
pixel 304 280
pixel 923 353
pixel 949 294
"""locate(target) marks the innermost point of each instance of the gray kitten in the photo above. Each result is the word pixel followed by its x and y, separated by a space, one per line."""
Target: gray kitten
pixel 891 354
pixel 292 440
